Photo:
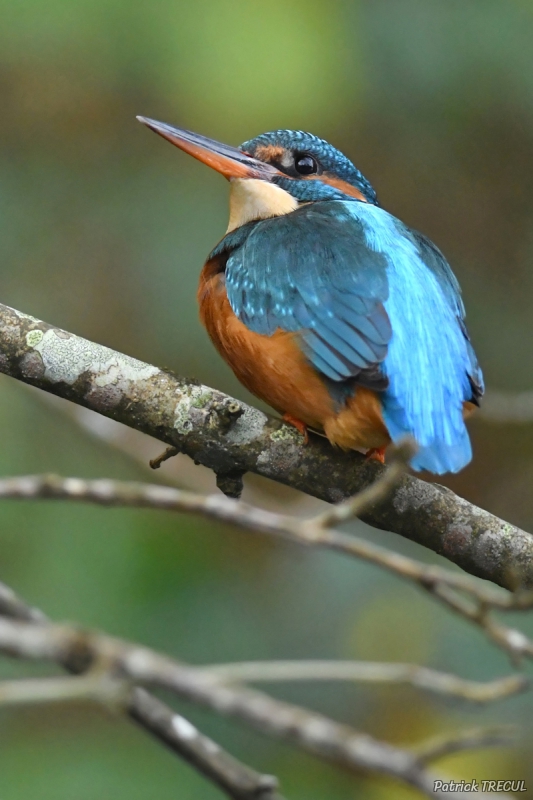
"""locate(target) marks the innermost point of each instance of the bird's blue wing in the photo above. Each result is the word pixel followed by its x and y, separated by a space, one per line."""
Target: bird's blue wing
pixel 312 272
pixel 435 260
pixel 431 365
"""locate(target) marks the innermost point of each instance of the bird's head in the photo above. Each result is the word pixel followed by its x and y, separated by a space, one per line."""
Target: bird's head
pixel 275 172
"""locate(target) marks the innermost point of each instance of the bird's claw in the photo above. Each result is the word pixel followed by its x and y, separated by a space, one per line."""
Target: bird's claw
pixel 376 454
pixel 300 426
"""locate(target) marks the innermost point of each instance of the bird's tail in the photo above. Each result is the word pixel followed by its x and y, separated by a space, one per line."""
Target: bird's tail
pixel 444 448
pixel 439 457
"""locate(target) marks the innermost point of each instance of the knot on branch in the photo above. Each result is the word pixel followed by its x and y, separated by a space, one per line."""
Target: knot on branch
pixel 230 482
pixel 228 412
pixel 78 654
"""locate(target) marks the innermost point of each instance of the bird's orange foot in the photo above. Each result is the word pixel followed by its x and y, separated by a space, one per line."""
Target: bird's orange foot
pixel 377 454
pixel 298 424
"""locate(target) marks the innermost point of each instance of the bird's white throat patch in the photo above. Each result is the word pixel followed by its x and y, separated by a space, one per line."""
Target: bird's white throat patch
pixel 251 198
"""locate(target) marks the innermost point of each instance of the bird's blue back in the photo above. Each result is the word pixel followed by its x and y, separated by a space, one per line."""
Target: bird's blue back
pixel 376 304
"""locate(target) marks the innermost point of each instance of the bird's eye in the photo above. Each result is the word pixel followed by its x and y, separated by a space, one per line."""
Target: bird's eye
pixel 305 164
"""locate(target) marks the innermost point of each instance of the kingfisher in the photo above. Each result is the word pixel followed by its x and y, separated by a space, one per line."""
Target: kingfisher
pixel 330 309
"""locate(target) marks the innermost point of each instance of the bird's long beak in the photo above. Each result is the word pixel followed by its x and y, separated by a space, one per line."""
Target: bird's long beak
pixel 229 161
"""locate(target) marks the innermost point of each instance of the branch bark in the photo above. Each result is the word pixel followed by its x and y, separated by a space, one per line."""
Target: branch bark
pixel 204 424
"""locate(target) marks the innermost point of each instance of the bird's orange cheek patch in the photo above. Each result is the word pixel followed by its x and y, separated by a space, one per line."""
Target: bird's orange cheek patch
pixel 338 183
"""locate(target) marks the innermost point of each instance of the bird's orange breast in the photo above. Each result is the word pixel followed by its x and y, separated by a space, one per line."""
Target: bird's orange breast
pixel 275 369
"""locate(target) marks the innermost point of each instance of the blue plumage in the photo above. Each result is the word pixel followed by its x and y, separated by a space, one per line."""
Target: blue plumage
pixel 428 362
pixel 375 303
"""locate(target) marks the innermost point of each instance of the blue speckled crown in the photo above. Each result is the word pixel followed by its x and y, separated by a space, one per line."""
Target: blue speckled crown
pixel 331 159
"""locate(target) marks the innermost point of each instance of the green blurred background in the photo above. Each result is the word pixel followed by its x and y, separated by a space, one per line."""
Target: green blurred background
pixel 104 228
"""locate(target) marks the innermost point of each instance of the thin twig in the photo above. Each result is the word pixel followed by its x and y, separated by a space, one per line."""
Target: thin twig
pixel 461 593
pixel 369 672
pixel 475 739
pixel 108 492
pixel 170 452
pixel 12 606
pixel 97 686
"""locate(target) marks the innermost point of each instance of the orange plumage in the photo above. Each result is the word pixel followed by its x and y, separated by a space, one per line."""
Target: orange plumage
pixel 275 369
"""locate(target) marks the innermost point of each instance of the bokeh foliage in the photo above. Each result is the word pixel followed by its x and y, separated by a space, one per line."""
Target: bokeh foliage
pixel 104 230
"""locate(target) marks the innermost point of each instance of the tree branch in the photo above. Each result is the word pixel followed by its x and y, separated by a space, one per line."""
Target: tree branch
pixel 194 419
pixel 96 685
pixel 309 730
pixel 370 672
pixel 237 780
pixel 462 594
pixel 478 738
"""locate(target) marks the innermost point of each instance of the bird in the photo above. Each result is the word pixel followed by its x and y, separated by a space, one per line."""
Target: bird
pixel 330 309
